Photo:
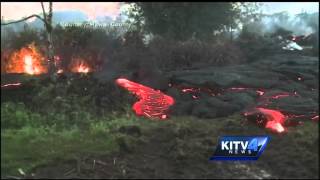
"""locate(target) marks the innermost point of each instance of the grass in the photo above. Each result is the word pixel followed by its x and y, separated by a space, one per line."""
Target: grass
pixel 30 139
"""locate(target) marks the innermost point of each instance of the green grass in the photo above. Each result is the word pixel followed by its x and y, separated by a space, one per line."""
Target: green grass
pixel 30 139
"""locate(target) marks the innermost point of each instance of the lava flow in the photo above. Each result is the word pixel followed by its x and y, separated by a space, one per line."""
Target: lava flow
pixel 10 85
pixel 275 119
pixel 270 118
pixel 152 103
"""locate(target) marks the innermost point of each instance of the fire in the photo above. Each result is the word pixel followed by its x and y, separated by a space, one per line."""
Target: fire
pixel 79 66
pixel 28 65
pixel 26 60
pixel 83 68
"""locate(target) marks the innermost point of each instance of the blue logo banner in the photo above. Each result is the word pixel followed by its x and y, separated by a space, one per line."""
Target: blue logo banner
pixel 240 147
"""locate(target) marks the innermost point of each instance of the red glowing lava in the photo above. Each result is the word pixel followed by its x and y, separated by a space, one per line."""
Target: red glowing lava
pixel 10 85
pixel 280 96
pixel 261 93
pixel 238 88
pixel 275 119
pixel 185 90
pixel 315 117
pixel 195 97
pixel 152 103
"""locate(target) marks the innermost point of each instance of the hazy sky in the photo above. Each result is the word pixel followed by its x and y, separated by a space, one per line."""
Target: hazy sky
pixel 16 10
pixel 291 7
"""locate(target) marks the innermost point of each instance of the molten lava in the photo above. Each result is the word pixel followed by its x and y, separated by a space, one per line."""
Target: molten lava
pixel 280 96
pixel 152 103
pixel 10 85
pixel 261 93
pixel 26 60
pixel 193 90
pixel 274 119
pixel 315 117
pixel 60 71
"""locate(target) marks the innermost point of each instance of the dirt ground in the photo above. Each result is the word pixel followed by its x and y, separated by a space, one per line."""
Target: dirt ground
pixel 181 147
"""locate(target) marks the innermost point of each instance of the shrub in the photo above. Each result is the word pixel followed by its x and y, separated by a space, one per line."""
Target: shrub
pixel 172 55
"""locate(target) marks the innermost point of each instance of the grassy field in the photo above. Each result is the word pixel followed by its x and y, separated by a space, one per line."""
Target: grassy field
pixel 51 145
pixel 30 139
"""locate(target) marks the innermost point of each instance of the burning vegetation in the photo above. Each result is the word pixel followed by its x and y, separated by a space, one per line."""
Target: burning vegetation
pixel 29 60
pixel 26 60
pixel 78 65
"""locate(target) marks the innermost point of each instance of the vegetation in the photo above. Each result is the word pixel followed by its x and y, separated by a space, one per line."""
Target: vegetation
pixel 31 138
pixel 182 21
pixel 79 116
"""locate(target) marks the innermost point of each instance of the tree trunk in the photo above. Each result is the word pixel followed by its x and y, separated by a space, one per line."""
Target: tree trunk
pixel 52 67
pixel 48 26
pixel 231 35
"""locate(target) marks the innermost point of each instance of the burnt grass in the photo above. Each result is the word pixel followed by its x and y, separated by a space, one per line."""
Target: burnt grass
pixel 181 146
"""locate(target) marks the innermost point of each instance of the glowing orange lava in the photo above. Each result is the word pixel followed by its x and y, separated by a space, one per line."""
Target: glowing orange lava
pixel 11 84
pixel 27 60
pixel 60 71
pixel 275 119
pixel 152 103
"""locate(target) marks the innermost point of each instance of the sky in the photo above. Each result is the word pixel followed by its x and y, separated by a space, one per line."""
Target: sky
pixel 17 10
pixel 291 7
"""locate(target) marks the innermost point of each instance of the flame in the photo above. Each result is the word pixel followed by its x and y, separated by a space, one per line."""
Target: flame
pixel 26 60
pixel 79 66
pixel 83 68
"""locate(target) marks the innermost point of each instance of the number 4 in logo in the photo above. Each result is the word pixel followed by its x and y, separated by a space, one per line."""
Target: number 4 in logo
pixel 253 145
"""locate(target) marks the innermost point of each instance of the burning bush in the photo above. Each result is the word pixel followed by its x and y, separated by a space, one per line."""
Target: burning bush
pixel 78 65
pixel 26 60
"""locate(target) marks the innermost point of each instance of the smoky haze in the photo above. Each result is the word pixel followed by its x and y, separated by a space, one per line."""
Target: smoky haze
pixel 300 24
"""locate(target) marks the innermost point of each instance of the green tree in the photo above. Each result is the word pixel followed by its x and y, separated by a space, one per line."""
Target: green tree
pixel 182 21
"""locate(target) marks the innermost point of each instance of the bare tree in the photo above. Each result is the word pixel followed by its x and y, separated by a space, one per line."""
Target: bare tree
pixel 47 20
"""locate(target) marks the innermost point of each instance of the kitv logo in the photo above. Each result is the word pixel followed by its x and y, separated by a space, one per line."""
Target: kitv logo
pixel 240 147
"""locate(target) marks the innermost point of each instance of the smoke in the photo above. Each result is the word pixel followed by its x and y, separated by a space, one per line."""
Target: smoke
pixel 300 24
